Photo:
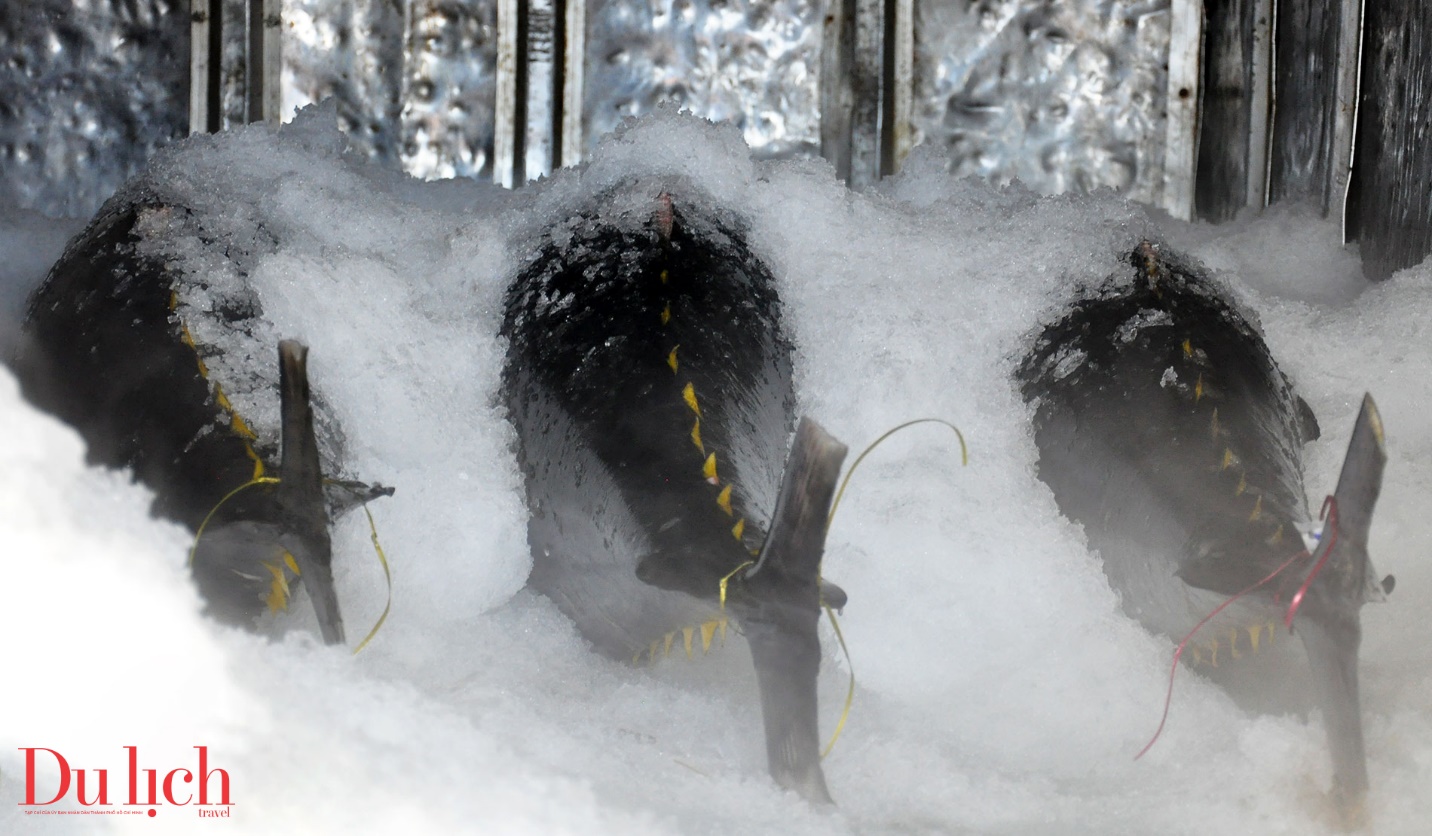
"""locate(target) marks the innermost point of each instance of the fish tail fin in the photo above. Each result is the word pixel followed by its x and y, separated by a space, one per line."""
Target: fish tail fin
pixel 300 490
pixel 1330 618
pixel 782 606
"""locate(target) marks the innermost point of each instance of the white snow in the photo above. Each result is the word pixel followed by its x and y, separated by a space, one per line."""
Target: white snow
pixel 999 688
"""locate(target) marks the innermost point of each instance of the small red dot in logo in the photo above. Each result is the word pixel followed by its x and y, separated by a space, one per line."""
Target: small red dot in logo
pixel 152 812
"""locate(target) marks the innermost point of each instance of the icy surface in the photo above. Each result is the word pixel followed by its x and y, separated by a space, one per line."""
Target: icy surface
pixel 999 689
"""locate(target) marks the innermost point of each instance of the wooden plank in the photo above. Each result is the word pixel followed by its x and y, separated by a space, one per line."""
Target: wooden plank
pixel 1181 131
pixel 1390 201
pixel 1308 56
pixel 203 92
pixel 1221 187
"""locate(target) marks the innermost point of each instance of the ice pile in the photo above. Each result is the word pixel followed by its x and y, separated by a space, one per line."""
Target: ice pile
pixel 999 689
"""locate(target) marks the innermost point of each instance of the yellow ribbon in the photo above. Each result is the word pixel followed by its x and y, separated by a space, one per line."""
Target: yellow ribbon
pixel 850 691
pixel 377 547
pixel 728 578
pixel 964 456
pixel 260 480
pixel 383 559
pixel 834 623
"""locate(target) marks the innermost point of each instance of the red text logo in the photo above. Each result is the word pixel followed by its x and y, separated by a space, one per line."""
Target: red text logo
pixel 50 779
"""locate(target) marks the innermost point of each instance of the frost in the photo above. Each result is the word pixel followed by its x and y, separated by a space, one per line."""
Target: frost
pixel 999 687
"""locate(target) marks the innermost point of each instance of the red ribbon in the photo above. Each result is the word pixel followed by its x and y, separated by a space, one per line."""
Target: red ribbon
pixel 1330 531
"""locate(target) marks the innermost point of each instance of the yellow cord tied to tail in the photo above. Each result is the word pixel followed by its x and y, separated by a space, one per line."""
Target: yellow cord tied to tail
pixel 964 456
pixel 372 528
pixel 834 623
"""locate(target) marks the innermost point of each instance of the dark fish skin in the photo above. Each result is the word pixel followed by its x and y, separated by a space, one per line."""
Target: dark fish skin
pixel 589 381
pixel 638 349
pixel 104 351
pixel 1165 427
pixel 1178 399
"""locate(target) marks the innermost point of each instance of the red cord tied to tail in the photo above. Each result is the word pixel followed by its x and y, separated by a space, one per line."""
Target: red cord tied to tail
pixel 1329 538
pixel 1325 548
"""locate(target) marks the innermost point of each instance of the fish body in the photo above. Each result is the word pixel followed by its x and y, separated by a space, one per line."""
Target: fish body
pixel 107 347
pixel 649 379
pixel 1166 428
